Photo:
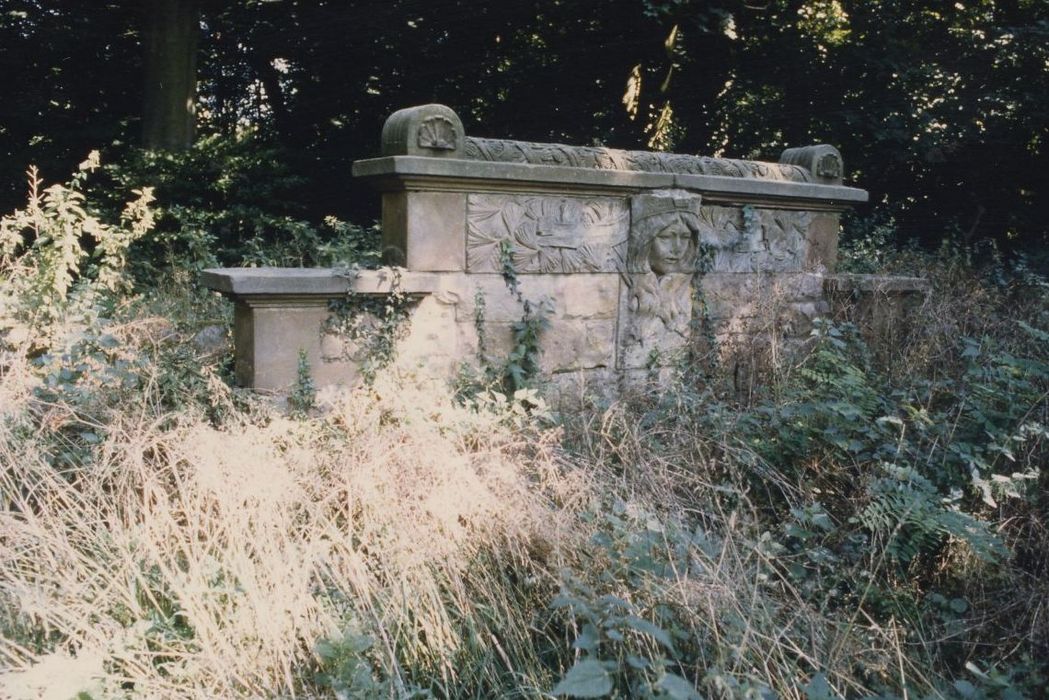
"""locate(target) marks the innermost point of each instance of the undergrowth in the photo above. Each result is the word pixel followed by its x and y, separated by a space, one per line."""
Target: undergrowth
pixel 856 529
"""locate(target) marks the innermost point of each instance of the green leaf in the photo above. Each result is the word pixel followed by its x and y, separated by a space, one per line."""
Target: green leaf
pixel 822 521
pixel 1035 333
pixel 678 688
pixel 587 639
pixel 587 679
pixel 652 630
pixel 818 688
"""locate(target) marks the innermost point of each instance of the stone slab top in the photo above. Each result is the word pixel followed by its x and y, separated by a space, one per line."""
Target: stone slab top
pixel 425 148
pixel 304 281
pixel 447 174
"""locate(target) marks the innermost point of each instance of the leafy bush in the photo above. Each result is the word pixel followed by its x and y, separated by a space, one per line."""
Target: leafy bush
pixel 232 201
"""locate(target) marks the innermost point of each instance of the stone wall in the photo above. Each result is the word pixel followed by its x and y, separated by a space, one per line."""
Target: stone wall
pixel 634 259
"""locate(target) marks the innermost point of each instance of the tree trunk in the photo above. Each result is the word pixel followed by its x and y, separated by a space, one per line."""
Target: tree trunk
pixel 171 37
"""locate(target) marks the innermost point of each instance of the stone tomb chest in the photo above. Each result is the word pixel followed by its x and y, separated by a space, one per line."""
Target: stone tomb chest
pixel 627 255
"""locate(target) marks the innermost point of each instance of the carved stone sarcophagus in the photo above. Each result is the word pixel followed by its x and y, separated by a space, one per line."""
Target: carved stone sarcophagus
pixel 639 261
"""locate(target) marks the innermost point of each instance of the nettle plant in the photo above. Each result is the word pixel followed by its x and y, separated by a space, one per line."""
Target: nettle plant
pixel 57 255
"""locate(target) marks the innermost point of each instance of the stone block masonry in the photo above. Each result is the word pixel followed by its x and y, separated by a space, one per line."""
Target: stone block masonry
pixel 626 254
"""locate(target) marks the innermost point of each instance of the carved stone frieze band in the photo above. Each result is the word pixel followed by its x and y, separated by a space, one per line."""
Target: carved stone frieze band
pixel 545 234
pixel 745 239
pixel 503 151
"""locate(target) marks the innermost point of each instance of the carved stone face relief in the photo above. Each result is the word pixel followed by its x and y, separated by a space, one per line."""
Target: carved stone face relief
pixel 671 248
pixel 656 306
pixel 663 233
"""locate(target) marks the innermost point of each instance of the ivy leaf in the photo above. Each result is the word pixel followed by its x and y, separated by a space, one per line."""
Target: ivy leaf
pixel 587 679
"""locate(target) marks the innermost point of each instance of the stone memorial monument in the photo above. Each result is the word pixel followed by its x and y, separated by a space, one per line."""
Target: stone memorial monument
pixel 632 258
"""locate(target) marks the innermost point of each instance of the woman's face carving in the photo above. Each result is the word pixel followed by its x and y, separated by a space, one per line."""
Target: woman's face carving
pixel 669 248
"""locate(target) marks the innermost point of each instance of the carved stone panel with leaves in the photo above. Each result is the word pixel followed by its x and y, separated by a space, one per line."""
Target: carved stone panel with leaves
pixel 748 239
pixel 544 234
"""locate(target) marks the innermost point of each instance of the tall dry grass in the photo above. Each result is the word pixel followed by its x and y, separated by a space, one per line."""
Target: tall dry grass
pixel 182 559
pixel 421 540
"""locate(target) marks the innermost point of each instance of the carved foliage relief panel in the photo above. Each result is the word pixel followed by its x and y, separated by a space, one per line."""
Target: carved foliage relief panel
pixel 657 242
pixel 545 234
pixel 755 240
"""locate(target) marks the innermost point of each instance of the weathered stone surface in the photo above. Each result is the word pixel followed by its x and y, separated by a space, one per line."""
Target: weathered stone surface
pixel 211 340
pixel 566 391
pixel 313 282
pixel 432 344
pixel 785 304
pixel 655 319
pixel 598 158
pixel 429 130
pixel 545 234
pixel 655 307
pixel 822 162
pixel 398 173
pixel 664 232
pixel 268 337
pixel 592 296
pixel 566 344
pixel 822 251
pixel 751 239
pixel 587 296
pixel 424 231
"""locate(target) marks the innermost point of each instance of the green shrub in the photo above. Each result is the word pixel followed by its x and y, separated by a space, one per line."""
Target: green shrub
pixel 232 201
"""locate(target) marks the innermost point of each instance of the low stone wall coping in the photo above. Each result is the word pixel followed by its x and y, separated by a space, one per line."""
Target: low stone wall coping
pixel 303 281
pixel 390 173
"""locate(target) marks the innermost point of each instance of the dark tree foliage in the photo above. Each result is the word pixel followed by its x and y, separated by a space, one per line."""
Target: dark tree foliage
pixel 71 83
pixel 940 109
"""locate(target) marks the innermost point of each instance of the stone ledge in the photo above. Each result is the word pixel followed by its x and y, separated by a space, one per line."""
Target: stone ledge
pixel 395 172
pixel 300 282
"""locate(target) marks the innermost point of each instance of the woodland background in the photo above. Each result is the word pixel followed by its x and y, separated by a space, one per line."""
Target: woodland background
pixel 869 520
pixel 940 109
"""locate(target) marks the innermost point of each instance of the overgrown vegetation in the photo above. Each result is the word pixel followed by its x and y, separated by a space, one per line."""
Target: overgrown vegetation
pixel 871 524
pixel 229 201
